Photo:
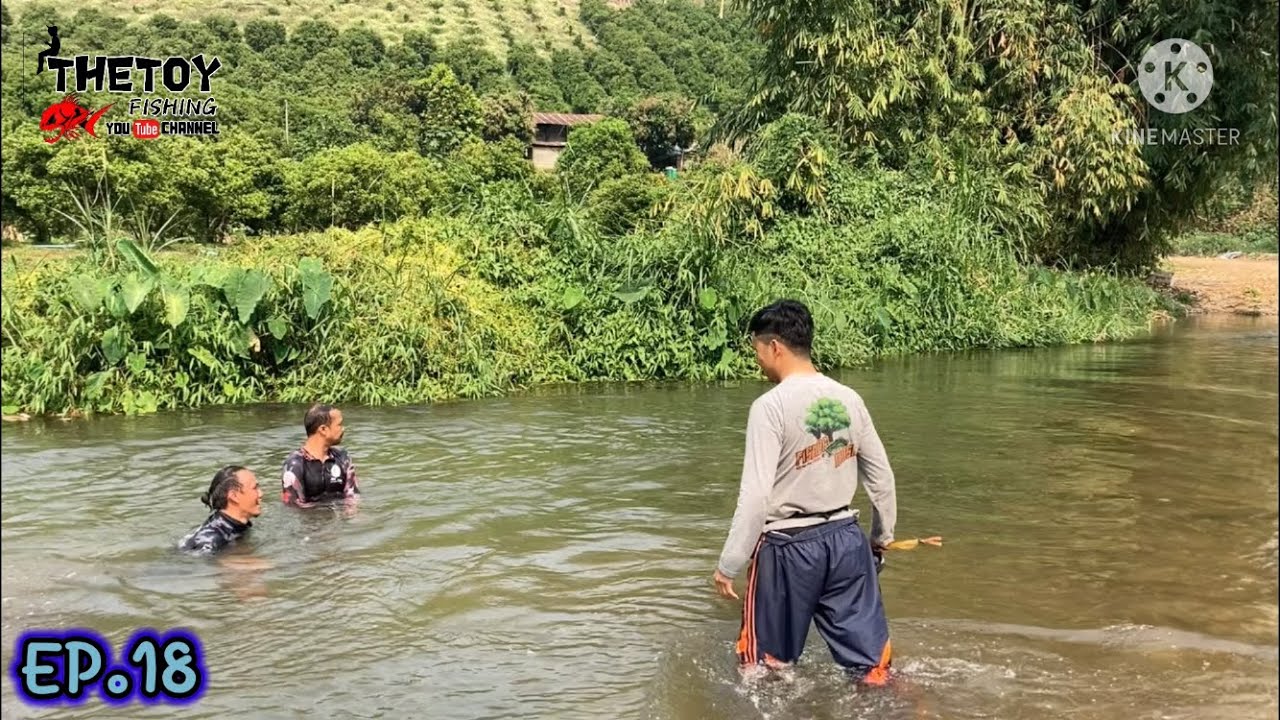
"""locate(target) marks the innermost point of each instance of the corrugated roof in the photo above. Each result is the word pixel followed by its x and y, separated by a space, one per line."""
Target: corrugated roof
pixel 542 118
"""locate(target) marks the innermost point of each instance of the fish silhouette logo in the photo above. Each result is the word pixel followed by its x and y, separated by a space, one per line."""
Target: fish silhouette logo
pixel 69 119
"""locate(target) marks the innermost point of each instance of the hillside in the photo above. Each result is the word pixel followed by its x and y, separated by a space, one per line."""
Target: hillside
pixel 495 23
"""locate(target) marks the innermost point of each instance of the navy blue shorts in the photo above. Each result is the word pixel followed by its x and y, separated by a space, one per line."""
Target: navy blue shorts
pixel 826 574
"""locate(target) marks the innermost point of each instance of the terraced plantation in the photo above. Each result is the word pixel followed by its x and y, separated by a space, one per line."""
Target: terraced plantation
pixel 496 24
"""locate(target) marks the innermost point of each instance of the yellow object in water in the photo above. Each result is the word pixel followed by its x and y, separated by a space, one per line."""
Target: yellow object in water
pixel 913 543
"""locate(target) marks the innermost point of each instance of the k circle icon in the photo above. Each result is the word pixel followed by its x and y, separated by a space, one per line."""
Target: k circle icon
pixel 1175 76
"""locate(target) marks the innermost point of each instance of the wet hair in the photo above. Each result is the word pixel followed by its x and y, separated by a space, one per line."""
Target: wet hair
pixel 224 481
pixel 317 416
pixel 787 320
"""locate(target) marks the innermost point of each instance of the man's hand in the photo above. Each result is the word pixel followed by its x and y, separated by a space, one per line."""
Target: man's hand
pixel 724 585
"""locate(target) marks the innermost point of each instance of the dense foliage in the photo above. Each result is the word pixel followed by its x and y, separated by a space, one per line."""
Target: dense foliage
pixel 1032 93
pixel 513 287
pixel 383 238
pixel 311 116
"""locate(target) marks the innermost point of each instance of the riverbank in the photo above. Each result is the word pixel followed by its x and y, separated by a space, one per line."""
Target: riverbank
pixel 1241 285
pixel 443 308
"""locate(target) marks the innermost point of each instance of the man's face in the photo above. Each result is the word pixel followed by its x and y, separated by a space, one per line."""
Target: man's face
pixel 248 499
pixel 333 432
pixel 768 350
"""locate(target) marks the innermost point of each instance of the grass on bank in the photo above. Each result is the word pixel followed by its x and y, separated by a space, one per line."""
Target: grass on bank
pixel 433 309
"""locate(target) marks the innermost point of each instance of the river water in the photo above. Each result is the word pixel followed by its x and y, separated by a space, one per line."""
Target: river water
pixel 1108 512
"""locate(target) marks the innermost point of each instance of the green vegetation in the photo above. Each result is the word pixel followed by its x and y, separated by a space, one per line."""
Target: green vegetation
pixel 312 116
pixel 388 242
pixel 1237 221
pixel 557 21
pixel 1035 94
pixel 517 290
pixel 1216 243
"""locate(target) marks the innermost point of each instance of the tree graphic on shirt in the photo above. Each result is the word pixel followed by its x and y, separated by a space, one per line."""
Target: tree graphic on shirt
pixel 825 417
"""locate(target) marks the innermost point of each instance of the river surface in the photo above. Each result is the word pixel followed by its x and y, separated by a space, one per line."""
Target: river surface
pixel 1108 512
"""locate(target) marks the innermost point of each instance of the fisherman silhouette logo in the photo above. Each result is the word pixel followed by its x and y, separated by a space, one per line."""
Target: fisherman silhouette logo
pixel 55 46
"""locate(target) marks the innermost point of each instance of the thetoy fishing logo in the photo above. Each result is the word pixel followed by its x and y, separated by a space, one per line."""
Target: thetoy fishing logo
pixel 71 119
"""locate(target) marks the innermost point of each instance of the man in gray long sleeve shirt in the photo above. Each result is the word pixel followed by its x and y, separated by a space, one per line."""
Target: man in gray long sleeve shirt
pixel 809 438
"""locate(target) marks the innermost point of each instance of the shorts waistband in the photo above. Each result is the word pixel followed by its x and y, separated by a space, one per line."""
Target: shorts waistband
pixel 809 532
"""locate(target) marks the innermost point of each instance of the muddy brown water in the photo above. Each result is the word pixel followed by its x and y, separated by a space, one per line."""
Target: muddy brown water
pixel 1109 515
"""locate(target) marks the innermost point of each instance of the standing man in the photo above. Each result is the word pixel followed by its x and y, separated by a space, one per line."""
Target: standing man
pixel 235 498
pixel 320 470
pixel 809 438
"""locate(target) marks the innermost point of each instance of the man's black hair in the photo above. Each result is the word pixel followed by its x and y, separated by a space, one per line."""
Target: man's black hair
pixel 787 320
pixel 317 416
pixel 224 481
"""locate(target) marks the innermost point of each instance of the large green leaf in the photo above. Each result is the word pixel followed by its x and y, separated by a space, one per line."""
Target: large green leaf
pixel 113 344
pixel 883 317
pixel 134 290
pixel 211 275
pixel 283 353
pixel 839 320
pixel 88 292
pixel 116 305
pixel 733 314
pixel 573 297
pixel 278 327
pixel 148 402
pixel 631 293
pixel 714 337
pixel 247 341
pixel 139 258
pixel 136 362
pixel 95 384
pixel 726 359
pixel 176 302
pixel 708 298
pixel 204 356
pixel 317 286
pixel 244 289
